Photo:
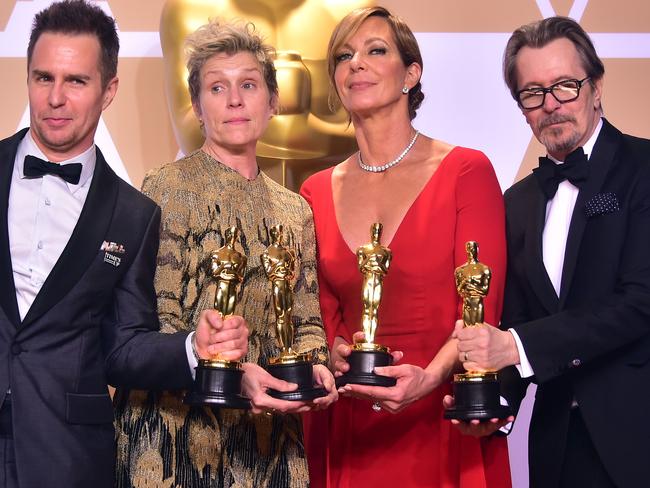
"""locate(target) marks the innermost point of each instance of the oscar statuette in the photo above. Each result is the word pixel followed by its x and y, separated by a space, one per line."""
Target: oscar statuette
pixel 476 393
pixel 374 261
pixel 218 381
pixel 278 263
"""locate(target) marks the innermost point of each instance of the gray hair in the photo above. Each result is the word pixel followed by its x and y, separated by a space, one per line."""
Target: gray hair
pixel 539 34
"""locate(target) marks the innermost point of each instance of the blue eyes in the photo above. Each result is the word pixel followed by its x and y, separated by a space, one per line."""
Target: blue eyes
pixel 347 55
pixel 246 86
pixel 343 57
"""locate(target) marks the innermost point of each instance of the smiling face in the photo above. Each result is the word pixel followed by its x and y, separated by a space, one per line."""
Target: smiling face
pixel 370 73
pixel 561 127
pixel 66 96
pixel 234 102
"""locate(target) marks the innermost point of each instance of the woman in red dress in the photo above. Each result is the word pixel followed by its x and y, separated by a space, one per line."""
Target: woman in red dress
pixel 431 198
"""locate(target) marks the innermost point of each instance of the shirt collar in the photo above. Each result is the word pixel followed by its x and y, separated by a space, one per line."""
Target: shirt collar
pixel 87 159
pixel 588 147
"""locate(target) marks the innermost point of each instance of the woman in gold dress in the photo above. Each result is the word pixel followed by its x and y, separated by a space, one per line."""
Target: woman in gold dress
pixel 161 441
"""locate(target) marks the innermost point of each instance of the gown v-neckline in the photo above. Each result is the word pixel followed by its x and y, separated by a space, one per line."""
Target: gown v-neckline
pixel 405 217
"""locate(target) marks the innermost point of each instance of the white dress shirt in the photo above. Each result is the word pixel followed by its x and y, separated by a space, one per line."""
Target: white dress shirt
pixel 41 216
pixel 559 210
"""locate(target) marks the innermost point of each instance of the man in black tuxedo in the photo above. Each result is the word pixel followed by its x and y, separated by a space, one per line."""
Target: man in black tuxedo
pixel 77 258
pixel 576 317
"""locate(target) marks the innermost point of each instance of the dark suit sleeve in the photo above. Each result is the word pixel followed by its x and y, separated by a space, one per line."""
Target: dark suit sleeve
pixel 515 311
pixel 137 355
pixel 616 318
pixel 515 307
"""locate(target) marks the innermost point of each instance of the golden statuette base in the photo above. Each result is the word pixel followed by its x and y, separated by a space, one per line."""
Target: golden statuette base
pixel 219 363
pixel 290 358
pixel 476 377
pixel 369 346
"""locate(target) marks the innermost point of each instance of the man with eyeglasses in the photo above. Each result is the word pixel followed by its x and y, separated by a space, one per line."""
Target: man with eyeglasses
pixel 576 317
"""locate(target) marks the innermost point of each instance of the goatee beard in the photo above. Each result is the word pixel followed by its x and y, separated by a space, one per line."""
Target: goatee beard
pixel 549 138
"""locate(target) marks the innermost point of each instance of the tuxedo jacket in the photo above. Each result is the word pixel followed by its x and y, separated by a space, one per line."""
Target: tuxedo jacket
pixel 93 323
pixel 592 343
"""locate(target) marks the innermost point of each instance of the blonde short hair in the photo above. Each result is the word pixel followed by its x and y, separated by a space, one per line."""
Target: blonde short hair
pixel 216 37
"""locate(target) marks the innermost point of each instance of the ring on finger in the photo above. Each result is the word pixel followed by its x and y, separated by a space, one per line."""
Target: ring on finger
pixel 376 407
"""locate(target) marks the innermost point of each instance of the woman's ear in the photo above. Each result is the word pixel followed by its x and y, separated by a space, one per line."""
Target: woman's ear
pixel 413 75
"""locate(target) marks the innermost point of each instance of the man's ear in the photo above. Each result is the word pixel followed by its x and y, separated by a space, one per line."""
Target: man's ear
pixel 597 86
pixel 109 92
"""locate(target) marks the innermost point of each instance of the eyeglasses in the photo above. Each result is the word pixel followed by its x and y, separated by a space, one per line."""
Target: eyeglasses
pixel 563 91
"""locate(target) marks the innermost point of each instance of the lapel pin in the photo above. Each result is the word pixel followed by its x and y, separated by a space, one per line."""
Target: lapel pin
pixel 112 247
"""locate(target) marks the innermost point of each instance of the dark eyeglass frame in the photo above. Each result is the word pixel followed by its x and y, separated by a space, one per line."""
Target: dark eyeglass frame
pixel 550 89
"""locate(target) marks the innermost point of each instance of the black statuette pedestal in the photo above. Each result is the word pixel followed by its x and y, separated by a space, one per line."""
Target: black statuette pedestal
pixel 476 396
pixel 362 362
pixel 299 372
pixel 218 384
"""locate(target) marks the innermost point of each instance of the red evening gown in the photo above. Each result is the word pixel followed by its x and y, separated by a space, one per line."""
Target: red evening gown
pixel 350 445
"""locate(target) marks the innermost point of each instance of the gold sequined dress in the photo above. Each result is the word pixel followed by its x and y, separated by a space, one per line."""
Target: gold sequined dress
pixel 160 441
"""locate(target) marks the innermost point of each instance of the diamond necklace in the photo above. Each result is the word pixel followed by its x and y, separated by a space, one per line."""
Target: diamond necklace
pixel 390 164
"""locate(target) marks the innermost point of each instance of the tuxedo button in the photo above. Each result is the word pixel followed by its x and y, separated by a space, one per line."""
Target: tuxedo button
pixel 16 349
pixel 575 363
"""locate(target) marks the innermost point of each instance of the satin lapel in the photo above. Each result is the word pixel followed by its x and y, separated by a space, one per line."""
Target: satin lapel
pixel 600 162
pixel 535 270
pixel 8 294
pixel 84 243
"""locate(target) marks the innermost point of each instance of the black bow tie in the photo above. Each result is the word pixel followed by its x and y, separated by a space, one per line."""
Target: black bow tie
pixel 549 175
pixel 35 168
